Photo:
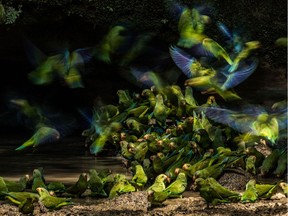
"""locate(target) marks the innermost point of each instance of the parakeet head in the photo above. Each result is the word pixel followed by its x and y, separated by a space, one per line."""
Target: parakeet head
pixel 42 191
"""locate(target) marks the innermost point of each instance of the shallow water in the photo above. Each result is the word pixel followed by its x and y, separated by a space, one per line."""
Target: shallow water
pixel 63 161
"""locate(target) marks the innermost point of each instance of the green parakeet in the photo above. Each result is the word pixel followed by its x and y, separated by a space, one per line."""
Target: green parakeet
pixel 96 184
pixel 139 178
pixel 159 183
pixel 121 187
pixel 3 187
pixel 52 202
pixel 37 180
pixel 177 188
pixel 26 206
pixel 215 193
pixel 18 185
pixel 79 187
pixel 160 110
pixel 110 44
pixel 57 187
pixel 19 197
pixel 266 191
pixel 250 194
pixel 216 49
pixel 42 135
pixel 250 164
pixel 270 162
pixel 281 164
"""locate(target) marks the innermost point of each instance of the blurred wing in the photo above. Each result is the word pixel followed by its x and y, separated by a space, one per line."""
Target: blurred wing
pixel 142 78
pixel 235 120
pixel 225 31
pixel 241 74
pixel 35 55
pixel 83 55
pixel 182 60
pixel 199 51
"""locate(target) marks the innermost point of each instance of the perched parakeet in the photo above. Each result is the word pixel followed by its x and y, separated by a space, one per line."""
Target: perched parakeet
pixel 140 177
pixel 177 188
pixel 3 187
pixel 38 180
pixel 57 187
pixel 250 194
pixel 250 164
pixel 18 185
pixel 52 202
pixel 270 162
pixel 215 193
pixel 19 197
pixel 160 110
pixel 281 164
pixel 266 191
pixel 26 206
pixel 159 183
pixel 79 187
pixel 95 183
pixel 121 187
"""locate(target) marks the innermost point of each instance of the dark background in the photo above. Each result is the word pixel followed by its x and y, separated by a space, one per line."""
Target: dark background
pixel 53 25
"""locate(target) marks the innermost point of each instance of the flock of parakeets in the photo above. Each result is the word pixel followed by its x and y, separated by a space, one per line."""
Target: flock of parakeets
pixel 166 137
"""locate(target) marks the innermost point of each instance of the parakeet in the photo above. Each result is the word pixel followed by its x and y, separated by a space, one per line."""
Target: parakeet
pixel 37 180
pixel 250 194
pixel 41 136
pixel 111 43
pixel 159 183
pixel 250 164
pixel 266 191
pixel 281 165
pixel 3 187
pixel 216 49
pixel 19 185
pixel 95 183
pixel 140 177
pixel 189 65
pixel 253 120
pixel 19 197
pixel 104 136
pixel 160 110
pixel 121 187
pixel 270 162
pixel 245 52
pixel 26 206
pixel 177 188
pixel 79 187
pixel 52 202
pixel 57 187
pixel 215 193
pixel 191 26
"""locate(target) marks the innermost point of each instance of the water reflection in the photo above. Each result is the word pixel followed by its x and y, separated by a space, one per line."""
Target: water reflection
pixel 62 161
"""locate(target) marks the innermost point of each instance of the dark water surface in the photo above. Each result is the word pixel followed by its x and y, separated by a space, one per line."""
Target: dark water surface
pixel 62 161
